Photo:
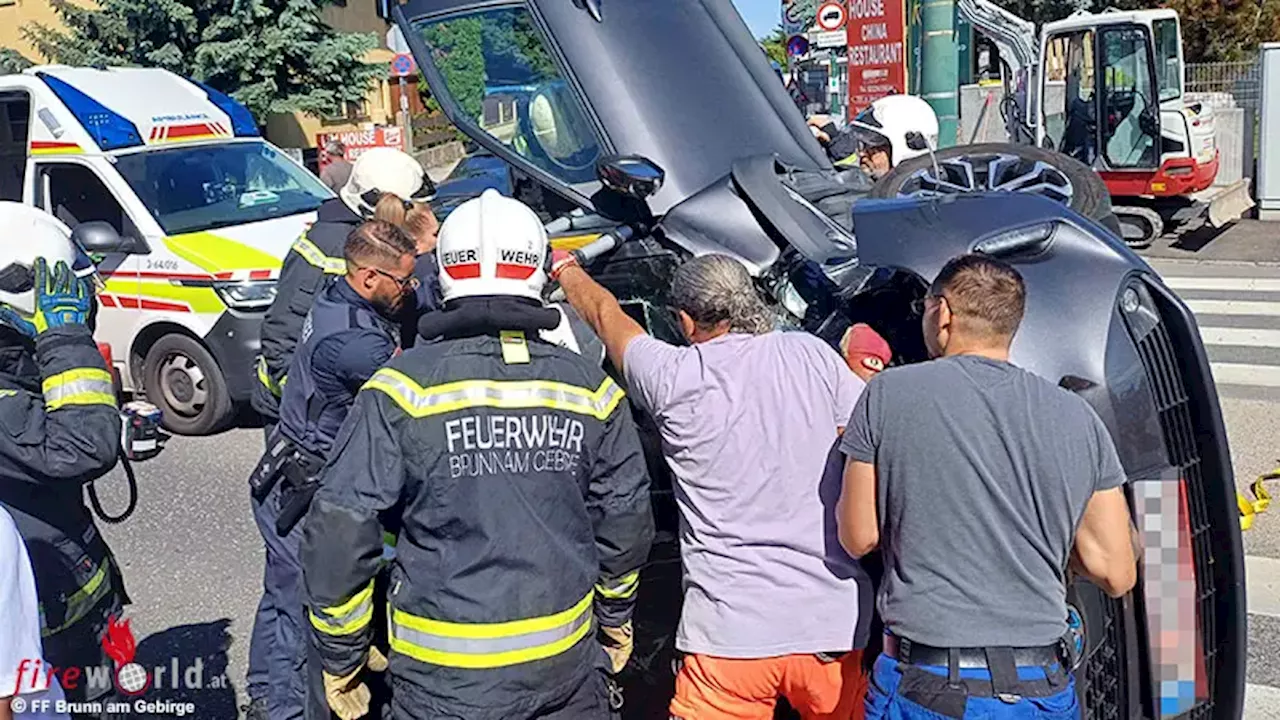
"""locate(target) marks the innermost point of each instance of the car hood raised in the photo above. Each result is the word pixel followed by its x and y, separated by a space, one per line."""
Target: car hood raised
pixel 682 83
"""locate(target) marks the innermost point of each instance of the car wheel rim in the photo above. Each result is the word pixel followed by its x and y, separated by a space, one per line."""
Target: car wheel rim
pixel 988 173
pixel 183 385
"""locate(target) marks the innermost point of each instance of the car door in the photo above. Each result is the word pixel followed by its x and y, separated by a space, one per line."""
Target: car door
pixel 72 190
pixel 681 83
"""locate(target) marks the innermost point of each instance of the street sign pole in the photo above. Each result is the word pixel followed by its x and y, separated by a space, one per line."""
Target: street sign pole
pixel 406 122
pixel 401 67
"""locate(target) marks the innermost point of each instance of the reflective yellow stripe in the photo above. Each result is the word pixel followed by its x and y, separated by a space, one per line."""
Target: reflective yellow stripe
pixel 620 588
pixel 264 377
pixel 80 386
pixel 82 601
pixel 418 401
pixel 489 645
pixel 350 617
pixel 314 255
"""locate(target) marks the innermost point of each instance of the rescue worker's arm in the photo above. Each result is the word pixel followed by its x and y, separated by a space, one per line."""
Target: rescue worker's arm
pixel 1105 544
pixel 296 288
pixel 81 437
pixel 857 516
pixel 599 308
pixel 353 356
pixel 342 539
pixel 618 504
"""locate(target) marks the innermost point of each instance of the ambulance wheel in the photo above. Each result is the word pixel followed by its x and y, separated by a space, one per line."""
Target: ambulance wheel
pixel 185 382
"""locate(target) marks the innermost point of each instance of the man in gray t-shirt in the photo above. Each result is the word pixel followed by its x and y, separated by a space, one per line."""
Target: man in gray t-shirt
pixel 980 482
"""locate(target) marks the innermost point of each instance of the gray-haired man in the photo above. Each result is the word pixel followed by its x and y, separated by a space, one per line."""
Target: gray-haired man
pixel 749 419
pixel 338 171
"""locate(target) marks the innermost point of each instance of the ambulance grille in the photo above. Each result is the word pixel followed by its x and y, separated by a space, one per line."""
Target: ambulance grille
pixel 1177 422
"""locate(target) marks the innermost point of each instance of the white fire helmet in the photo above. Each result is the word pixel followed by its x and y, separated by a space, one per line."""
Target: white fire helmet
pixel 28 234
pixel 492 245
pixel 890 119
pixel 384 170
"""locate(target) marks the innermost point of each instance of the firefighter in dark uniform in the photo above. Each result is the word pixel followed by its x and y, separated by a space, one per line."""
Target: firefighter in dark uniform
pixel 515 470
pixel 349 333
pixel 315 257
pixel 59 429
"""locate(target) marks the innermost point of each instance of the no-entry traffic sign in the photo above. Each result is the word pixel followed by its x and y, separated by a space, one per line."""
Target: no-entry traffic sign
pixel 831 16
pixel 402 65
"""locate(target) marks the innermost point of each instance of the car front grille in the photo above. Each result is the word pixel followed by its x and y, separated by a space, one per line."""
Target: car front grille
pixel 1177 421
pixel 1105 670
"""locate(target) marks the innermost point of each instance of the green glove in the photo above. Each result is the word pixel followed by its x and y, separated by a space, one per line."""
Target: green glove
pixel 61 299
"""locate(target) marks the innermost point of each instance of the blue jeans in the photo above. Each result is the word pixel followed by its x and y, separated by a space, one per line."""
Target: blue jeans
pixel 889 698
pixel 277 647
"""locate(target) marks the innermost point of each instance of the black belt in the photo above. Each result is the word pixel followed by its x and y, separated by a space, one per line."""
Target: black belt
pixel 914 653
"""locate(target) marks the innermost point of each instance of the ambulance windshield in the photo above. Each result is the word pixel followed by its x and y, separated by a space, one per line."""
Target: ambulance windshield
pixel 189 189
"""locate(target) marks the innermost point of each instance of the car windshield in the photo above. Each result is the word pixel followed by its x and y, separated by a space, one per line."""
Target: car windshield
pixel 189 189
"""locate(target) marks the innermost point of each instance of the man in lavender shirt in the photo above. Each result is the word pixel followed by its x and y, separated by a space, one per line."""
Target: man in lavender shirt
pixel 749 419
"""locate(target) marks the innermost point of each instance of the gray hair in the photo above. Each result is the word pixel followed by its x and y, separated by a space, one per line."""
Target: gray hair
pixel 335 148
pixel 716 288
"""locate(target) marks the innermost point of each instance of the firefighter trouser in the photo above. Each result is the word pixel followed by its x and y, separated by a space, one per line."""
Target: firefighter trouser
pixel 278 644
pixel 80 646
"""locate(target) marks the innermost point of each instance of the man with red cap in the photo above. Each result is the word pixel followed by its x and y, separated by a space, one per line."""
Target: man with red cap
pixel 865 350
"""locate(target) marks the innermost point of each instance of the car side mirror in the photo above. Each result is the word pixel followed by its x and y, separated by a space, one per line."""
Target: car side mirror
pixel 99 238
pixel 634 176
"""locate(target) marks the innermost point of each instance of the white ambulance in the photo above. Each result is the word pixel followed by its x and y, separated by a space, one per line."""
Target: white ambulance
pixel 205 209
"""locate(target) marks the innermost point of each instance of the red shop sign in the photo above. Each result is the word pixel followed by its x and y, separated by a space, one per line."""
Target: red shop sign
pixel 357 141
pixel 877 51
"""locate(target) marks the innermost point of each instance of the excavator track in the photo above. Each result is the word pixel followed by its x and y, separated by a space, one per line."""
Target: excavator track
pixel 1139 226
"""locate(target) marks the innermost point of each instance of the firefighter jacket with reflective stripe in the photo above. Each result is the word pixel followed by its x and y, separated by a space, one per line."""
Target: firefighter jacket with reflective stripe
pixel 315 256
pixel 525 518
pixel 310 415
pixel 59 429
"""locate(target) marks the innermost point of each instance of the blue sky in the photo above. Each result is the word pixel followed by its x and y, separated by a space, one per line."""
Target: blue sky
pixel 761 15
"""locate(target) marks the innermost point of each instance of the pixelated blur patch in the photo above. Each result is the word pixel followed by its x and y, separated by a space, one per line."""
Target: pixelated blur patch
pixel 1169 595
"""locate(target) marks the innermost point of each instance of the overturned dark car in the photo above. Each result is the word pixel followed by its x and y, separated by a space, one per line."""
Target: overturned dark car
pixel 662 125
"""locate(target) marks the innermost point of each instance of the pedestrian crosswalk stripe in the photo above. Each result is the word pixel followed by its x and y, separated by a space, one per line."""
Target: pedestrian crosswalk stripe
pixel 1236 284
pixel 1225 373
pixel 1261 702
pixel 1262 585
pixel 1247 337
pixel 1233 307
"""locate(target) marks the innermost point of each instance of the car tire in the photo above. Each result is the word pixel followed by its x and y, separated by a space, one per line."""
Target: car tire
pixel 967 169
pixel 184 380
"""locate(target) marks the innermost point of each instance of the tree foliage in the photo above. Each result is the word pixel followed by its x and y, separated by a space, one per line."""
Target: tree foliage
pixel 12 61
pixel 501 47
pixel 775 46
pixel 1212 30
pixel 271 55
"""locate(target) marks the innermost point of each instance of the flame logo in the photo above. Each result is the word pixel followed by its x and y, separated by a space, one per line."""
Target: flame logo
pixel 119 643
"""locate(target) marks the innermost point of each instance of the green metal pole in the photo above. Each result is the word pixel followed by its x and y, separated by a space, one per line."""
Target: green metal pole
pixel 940 77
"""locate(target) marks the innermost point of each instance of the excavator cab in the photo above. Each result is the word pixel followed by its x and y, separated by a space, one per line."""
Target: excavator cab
pixel 1112 95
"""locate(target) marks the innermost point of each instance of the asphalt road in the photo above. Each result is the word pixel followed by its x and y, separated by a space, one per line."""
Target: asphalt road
pixel 193 561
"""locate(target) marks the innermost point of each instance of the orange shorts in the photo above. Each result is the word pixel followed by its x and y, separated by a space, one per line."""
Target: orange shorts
pixel 710 688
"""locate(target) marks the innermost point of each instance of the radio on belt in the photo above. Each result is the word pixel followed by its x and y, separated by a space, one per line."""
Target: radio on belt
pixel 140 430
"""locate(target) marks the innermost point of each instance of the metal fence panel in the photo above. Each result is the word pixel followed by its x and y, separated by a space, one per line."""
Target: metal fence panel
pixel 1227 84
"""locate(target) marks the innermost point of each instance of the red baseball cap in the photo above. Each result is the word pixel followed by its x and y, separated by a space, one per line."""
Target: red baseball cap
pixel 866 346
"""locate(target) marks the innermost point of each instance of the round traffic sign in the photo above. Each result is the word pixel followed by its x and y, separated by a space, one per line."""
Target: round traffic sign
pixel 797 46
pixel 402 65
pixel 831 16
